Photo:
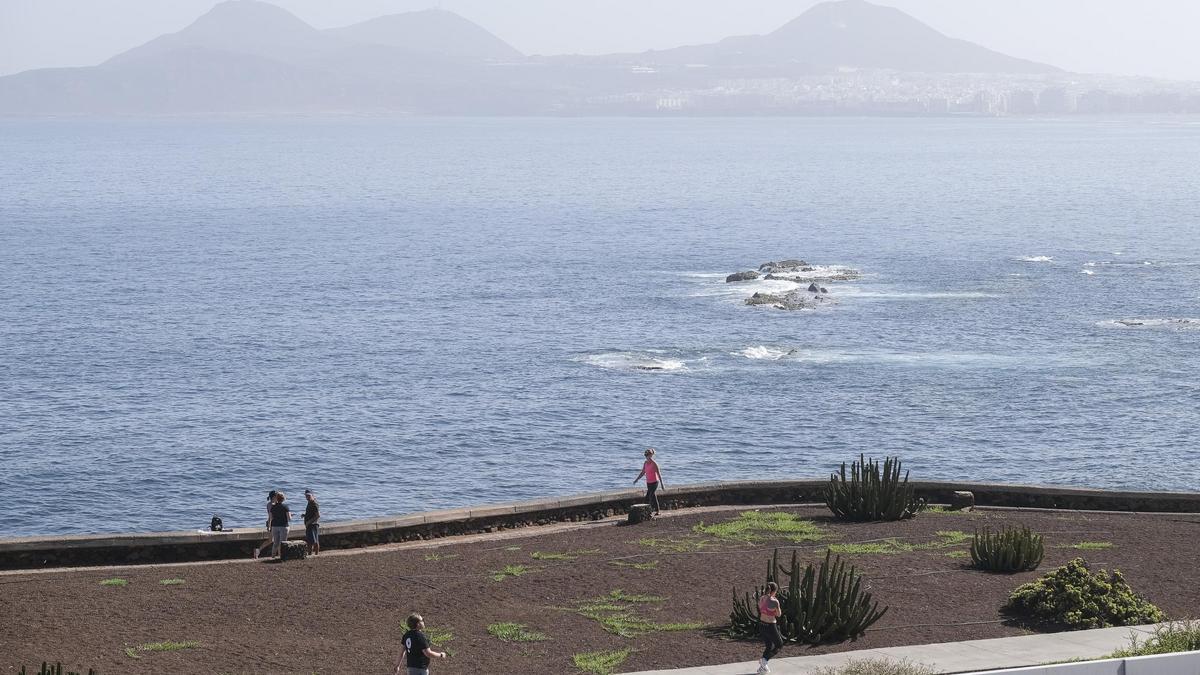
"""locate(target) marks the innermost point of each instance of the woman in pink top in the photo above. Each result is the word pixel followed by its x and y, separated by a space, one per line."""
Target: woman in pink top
pixel 769 612
pixel 653 479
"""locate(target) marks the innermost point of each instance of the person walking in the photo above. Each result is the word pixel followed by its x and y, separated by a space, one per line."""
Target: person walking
pixel 653 479
pixel 415 650
pixel 258 551
pixel 281 517
pixel 769 612
pixel 312 524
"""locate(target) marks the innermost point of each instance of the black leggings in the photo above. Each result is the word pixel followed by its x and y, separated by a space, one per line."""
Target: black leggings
pixel 772 639
pixel 652 498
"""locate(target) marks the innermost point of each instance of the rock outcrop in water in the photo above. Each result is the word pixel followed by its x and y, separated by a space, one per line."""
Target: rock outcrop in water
pixel 749 275
pixel 784 266
pixel 800 273
pixel 792 300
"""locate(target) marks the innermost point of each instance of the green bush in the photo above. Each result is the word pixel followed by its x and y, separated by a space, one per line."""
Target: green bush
pixel 1073 597
pixel 872 492
pixel 1009 550
pixel 1177 636
pixel 820 604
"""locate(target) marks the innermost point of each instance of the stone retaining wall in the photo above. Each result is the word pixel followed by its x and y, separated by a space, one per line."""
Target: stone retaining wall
pixel 35 552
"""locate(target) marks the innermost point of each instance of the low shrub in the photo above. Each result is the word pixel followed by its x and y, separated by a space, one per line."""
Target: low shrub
pixel 1009 550
pixel 876 667
pixel 1177 636
pixel 872 492
pixel 820 604
pixel 1074 597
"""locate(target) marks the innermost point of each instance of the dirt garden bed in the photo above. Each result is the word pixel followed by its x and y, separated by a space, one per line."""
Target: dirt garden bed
pixel 657 594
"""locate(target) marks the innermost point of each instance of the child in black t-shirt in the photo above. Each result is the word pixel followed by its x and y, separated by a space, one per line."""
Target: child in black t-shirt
pixel 415 650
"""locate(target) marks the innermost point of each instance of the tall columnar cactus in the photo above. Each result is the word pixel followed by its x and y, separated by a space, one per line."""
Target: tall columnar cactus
pixel 871 492
pixel 820 604
pixel 1009 550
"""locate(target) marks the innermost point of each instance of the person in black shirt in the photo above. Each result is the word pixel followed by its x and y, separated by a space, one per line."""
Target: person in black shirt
pixel 312 517
pixel 278 522
pixel 415 651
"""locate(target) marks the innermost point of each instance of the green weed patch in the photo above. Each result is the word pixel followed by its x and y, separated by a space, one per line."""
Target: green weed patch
pixel 651 565
pixel 511 571
pixel 754 526
pixel 515 632
pixel 601 663
pixel 136 652
pixel 617 613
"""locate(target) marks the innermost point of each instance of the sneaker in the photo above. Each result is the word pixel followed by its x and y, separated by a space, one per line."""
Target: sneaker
pixel 763 667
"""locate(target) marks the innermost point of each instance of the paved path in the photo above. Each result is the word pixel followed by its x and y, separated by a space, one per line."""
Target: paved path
pixel 951 657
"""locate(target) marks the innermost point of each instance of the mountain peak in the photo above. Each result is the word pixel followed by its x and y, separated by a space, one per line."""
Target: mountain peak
pixel 238 26
pixel 250 15
pixel 862 34
pixel 431 31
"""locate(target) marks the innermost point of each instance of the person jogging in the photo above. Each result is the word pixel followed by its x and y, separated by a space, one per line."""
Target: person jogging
pixel 653 479
pixel 769 612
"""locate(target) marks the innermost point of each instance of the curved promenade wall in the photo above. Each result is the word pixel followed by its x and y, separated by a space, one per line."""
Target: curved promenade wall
pixel 195 545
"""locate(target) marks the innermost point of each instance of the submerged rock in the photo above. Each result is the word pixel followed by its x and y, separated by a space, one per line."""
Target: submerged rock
pixel 749 275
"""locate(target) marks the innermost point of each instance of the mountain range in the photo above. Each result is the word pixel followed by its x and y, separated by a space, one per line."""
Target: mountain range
pixel 251 56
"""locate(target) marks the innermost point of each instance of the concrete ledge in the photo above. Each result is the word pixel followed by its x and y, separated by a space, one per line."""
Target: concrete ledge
pixel 108 549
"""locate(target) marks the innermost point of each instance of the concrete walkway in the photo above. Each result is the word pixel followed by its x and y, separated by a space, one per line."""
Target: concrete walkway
pixel 950 657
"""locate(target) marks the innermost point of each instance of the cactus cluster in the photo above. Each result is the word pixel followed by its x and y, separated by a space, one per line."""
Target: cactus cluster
pixel 872 492
pixel 821 604
pixel 56 669
pixel 1009 550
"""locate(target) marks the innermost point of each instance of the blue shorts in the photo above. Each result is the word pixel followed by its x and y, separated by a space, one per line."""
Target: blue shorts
pixel 312 534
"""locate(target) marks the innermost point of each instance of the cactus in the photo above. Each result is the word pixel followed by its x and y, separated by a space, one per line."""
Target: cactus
pixel 821 604
pixel 1010 550
pixel 871 492
pixel 56 669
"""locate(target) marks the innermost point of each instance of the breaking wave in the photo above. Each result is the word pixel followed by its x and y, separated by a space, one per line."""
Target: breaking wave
pixel 1167 323
pixel 645 362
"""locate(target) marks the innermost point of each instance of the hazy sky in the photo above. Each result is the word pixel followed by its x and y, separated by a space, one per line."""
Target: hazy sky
pixel 1133 37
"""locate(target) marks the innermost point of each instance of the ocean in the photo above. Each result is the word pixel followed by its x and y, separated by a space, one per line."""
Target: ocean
pixel 406 314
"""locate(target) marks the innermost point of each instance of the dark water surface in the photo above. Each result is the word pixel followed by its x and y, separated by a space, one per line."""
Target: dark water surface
pixel 410 314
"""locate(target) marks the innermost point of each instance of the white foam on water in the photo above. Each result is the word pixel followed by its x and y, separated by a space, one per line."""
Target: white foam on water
pixel 1087 272
pixel 765 353
pixel 877 292
pixel 744 289
pixel 1037 258
pixel 647 362
pixel 1151 324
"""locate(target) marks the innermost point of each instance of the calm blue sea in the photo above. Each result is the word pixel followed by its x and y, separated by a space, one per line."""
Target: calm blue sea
pixel 407 314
